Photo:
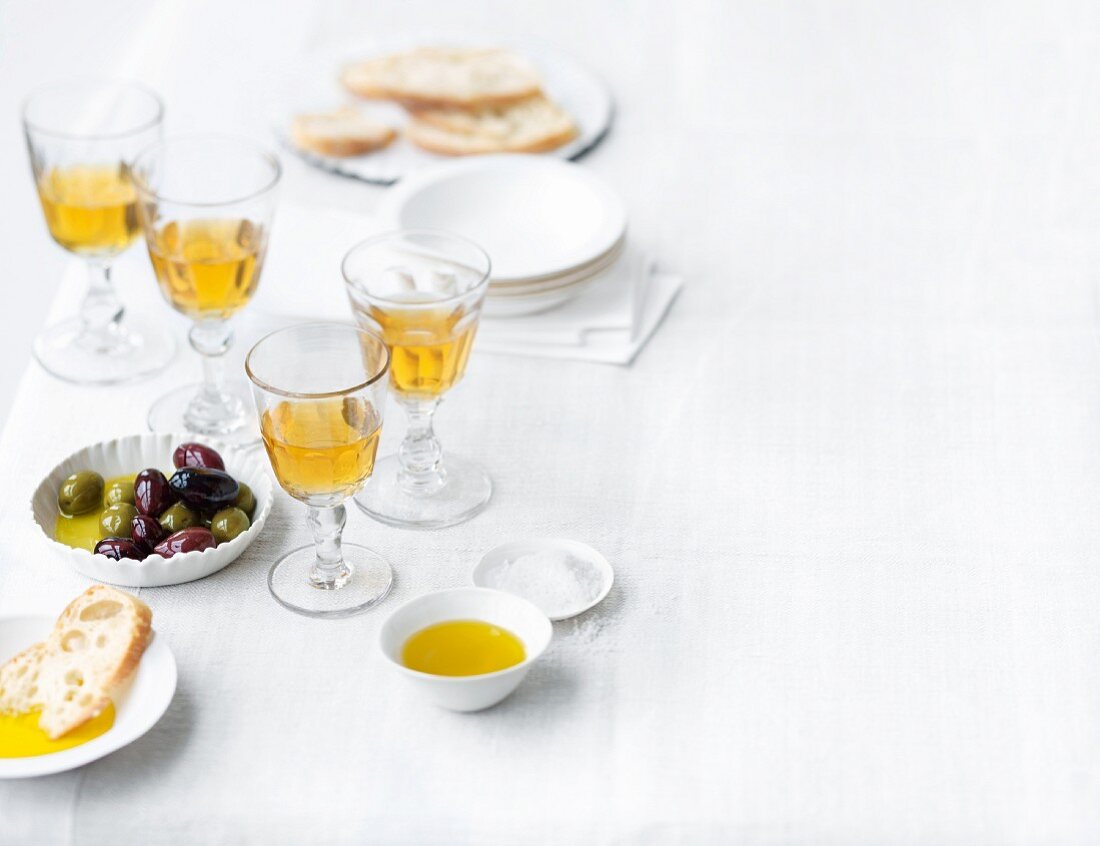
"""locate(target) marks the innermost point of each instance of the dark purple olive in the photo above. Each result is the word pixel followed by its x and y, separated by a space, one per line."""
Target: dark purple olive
pixel 146 533
pixel 203 488
pixel 194 539
pixel 152 493
pixel 197 455
pixel 118 548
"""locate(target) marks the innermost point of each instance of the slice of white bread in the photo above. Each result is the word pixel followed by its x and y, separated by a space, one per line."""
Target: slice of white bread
pixel 533 125
pixel 343 132
pixel 444 76
pixel 94 648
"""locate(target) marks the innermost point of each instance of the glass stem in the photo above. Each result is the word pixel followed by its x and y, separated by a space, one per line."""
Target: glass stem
pixel 329 571
pixel 213 410
pixel 421 455
pixel 101 311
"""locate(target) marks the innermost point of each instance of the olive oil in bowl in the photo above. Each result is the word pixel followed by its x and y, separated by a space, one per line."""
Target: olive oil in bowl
pixel 462 648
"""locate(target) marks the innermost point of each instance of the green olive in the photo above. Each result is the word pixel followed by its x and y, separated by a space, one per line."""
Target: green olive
pixel 119 491
pixel 228 523
pixel 178 517
pixel 80 493
pixel 115 520
pixel 246 500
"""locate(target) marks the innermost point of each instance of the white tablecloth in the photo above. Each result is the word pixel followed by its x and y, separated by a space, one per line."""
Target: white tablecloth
pixel 851 489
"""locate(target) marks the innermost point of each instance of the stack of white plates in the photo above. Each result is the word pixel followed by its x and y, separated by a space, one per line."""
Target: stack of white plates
pixel 550 227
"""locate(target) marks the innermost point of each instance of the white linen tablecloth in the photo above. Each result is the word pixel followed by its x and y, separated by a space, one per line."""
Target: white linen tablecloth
pixel 851 489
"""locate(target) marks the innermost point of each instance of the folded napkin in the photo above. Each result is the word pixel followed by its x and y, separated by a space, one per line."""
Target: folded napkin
pixel 609 322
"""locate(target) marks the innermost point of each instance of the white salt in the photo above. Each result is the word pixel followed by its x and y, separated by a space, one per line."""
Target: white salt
pixel 560 584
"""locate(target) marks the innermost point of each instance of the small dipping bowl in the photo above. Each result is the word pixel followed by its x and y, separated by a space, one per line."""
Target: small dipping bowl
pixel 467 693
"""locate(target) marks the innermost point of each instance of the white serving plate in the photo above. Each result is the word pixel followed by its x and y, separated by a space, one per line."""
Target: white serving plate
pixel 137 708
pixel 466 693
pixel 482 573
pixel 311 84
pixel 585 271
pixel 133 454
pixel 534 216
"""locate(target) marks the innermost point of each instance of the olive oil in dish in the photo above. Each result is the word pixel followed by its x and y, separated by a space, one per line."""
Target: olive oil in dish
pixel 462 648
pixel 82 531
pixel 21 737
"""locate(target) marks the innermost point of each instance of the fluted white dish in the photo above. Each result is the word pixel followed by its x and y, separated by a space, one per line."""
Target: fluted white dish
pixel 137 708
pixel 466 693
pixel 132 454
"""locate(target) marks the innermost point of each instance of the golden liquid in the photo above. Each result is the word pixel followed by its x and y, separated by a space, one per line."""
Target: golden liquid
pixel 83 531
pixel 90 210
pixel 429 347
pixel 462 648
pixel 20 736
pixel 321 448
pixel 208 268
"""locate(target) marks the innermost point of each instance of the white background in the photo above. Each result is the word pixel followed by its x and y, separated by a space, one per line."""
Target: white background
pixel 851 489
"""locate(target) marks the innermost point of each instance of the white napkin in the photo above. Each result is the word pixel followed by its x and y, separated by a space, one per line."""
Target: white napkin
pixel 609 322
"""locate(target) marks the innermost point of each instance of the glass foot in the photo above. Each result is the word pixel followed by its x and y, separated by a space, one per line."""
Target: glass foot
pixel 119 354
pixel 235 423
pixel 465 494
pixel 368 584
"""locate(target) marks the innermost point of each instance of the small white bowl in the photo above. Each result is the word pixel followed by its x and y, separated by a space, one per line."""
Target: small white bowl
pixel 483 572
pixel 132 454
pixel 137 708
pixel 467 693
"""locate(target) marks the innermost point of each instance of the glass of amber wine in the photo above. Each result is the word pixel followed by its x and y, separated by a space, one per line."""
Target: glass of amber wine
pixel 82 137
pixel 421 291
pixel 320 391
pixel 206 204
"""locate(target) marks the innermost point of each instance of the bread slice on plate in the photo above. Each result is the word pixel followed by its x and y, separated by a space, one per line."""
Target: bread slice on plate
pixel 531 126
pixel 92 652
pixel 340 133
pixel 444 76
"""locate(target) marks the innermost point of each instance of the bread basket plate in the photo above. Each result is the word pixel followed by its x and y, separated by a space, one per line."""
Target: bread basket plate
pixel 137 708
pixel 132 454
pixel 311 84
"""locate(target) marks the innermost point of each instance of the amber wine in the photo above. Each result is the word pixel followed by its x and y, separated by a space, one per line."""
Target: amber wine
pixel 90 210
pixel 429 347
pixel 208 268
pixel 323 447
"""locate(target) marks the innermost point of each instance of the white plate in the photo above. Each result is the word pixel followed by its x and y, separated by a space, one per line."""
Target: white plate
pixel 534 216
pixel 312 84
pixel 133 454
pixel 137 708
pixel 554 280
pixel 482 573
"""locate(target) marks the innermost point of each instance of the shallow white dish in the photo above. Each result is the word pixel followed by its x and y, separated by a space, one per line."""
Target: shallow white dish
pixel 132 454
pixel 494 558
pixel 311 84
pixel 137 709
pixel 466 693
pixel 534 216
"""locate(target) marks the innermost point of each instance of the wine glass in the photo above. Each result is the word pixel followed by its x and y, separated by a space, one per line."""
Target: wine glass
pixel 422 291
pixel 206 203
pixel 82 137
pixel 320 391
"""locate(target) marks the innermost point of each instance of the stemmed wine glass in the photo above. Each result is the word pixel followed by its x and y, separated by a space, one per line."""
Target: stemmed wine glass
pixel 206 204
pixel 320 391
pixel 422 291
pixel 82 137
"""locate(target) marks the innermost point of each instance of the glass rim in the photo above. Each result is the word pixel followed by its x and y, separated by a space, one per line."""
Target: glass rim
pixel 264 153
pixel 271 389
pixel 405 304
pixel 157 118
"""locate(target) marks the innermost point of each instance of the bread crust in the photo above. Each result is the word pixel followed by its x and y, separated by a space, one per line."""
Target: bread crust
pixel 444 77
pixel 534 126
pixel 19 689
pixel 309 133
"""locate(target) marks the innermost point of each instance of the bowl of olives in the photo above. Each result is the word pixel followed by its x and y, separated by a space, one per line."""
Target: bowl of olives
pixel 153 510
